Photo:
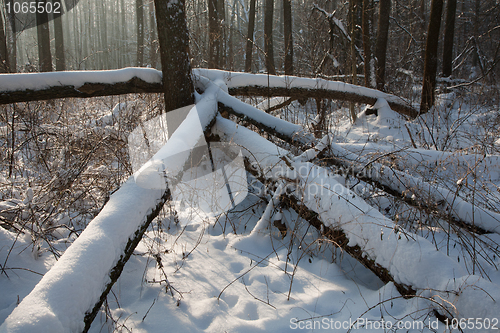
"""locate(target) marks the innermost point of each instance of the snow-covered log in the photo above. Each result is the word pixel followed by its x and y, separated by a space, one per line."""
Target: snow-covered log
pixel 246 84
pixel 411 260
pixel 413 190
pixel 71 293
pixel 437 200
pixel 43 86
pixel 280 128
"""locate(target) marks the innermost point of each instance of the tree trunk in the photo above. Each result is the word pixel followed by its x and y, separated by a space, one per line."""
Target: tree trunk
pixel 382 36
pixel 268 36
pixel 139 6
pixel 221 23
pixel 251 27
pixel 287 17
pixel 12 41
pixel 123 37
pixel 4 56
pixel 153 47
pixel 430 64
pixel 367 25
pixel 44 55
pixel 174 53
pixel 354 71
pixel 59 41
pixel 449 32
pixel 213 35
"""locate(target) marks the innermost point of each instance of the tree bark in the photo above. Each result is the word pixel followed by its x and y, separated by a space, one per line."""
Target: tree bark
pixel 139 6
pixel 382 37
pixel 449 33
pixel 214 34
pixel 44 55
pixel 12 40
pixel 59 42
pixel 268 36
pixel 221 22
pixel 174 53
pixel 430 64
pixel 4 56
pixel 367 25
pixel 153 47
pixel 287 18
pixel 251 28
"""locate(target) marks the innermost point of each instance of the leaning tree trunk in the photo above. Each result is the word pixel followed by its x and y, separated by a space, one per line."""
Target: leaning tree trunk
pixel 251 28
pixel 449 32
pixel 430 64
pixel 59 41
pixel 268 36
pixel 4 56
pixel 382 36
pixel 44 55
pixel 174 53
pixel 287 15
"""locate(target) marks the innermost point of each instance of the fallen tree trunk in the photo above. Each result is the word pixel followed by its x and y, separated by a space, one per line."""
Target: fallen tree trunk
pixel 245 84
pixel 71 293
pixel 16 88
pixel 89 89
pixel 298 93
pixel 381 242
pixel 339 239
pixel 414 191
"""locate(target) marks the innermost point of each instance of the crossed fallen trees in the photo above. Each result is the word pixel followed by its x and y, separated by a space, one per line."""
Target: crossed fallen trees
pixel 340 215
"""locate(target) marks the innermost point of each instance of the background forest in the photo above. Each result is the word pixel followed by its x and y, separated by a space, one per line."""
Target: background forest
pixel 116 34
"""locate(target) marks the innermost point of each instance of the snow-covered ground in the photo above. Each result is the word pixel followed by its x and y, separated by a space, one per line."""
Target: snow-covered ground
pixel 236 272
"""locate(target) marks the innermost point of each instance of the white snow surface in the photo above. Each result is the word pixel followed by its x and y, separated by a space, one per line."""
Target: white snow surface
pixel 39 81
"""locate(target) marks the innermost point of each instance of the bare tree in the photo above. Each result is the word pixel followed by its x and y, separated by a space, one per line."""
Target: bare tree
pixel 4 56
pixel 251 28
pixel 59 43
pixel 430 64
pixel 268 36
pixel 214 35
pixel 382 37
pixel 44 55
pixel 367 24
pixel 287 15
pixel 174 53
pixel 139 9
pixel 153 43
pixel 449 32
